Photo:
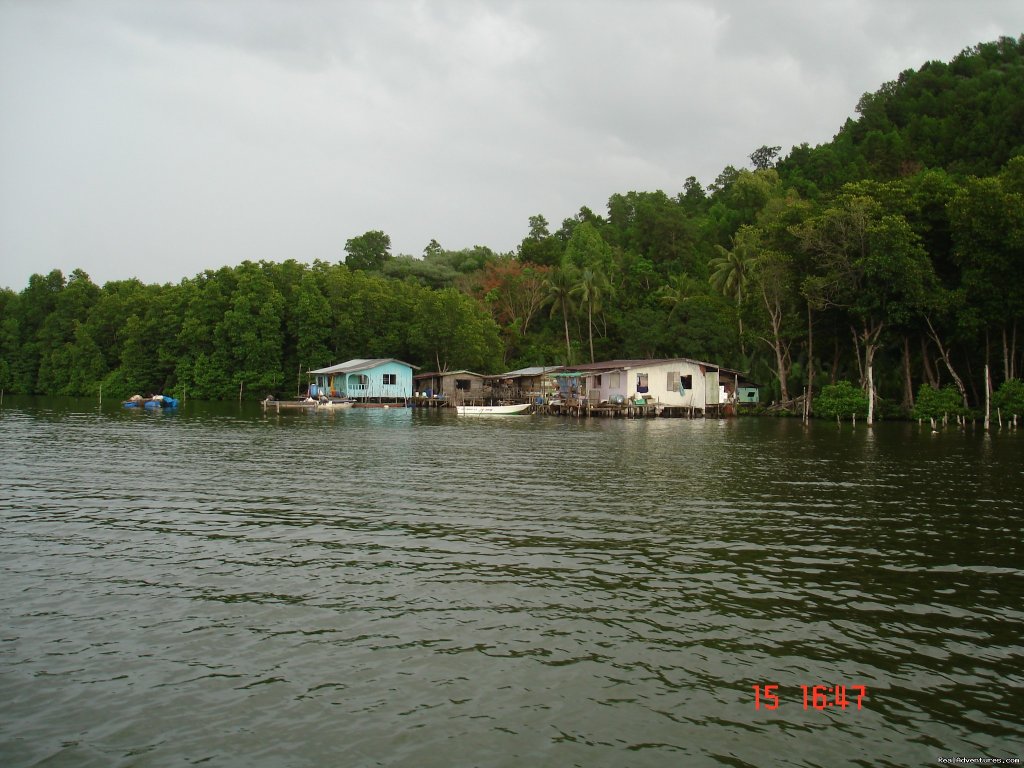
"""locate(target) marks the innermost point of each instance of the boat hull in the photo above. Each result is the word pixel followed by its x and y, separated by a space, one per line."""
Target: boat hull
pixel 154 403
pixel 492 410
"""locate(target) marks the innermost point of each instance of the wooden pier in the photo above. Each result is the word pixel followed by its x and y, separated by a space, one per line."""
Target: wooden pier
pixel 289 405
pixel 627 410
pixel 307 404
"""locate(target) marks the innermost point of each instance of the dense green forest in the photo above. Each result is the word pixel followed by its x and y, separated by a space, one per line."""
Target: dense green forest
pixel 890 257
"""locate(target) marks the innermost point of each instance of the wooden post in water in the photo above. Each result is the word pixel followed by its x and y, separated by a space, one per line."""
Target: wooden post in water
pixel 101 395
pixel 988 398
pixel 240 390
pixel 871 396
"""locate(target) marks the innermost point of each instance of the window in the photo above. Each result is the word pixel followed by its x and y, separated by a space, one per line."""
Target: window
pixel 463 384
pixel 597 379
pixel 615 380
pixel 390 379
pixel 672 381
pixel 686 382
pixel 641 382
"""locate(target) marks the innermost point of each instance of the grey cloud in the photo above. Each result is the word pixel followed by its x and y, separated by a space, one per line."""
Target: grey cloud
pixel 159 139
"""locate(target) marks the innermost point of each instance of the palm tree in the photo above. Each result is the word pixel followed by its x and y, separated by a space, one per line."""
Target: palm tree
pixel 676 292
pixel 559 287
pixel 731 267
pixel 591 288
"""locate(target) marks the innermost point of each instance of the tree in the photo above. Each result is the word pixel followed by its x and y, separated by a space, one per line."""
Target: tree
pixel 932 403
pixel 586 248
pixel 774 282
pixel 1009 398
pixel 433 249
pixel 871 266
pixel 763 157
pixel 963 117
pixel 249 339
pixel 450 330
pixel 741 199
pixel 312 323
pixel 729 270
pixel 644 332
pixel 137 357
pixel 841 399
pixel 432 273
pixel 86 366
pixel 654 226
pixel 987 221
pixel 559 286
pixel 57 334
pixel 34 329
pixel 369 251
pixel 591 288
pixel 513 291
pixel 8 337
pixel 678 290
pixel 540 246
pixel 778 223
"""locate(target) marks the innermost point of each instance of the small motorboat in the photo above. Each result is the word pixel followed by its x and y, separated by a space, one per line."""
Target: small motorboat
pixel 491 410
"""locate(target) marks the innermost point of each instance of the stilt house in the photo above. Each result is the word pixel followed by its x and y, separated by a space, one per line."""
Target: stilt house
pixel 377 380
pixel 450 385
pixel 672 383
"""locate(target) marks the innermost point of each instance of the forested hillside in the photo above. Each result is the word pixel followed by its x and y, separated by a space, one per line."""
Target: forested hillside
pixel 892 254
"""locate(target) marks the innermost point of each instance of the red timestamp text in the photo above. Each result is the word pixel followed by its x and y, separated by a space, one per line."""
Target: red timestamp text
pixel 766 696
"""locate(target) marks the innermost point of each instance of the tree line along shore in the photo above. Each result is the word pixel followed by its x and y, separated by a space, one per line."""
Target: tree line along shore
pixel 889 259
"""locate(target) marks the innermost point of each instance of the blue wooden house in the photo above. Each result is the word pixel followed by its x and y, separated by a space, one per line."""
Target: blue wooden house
pixel 380 380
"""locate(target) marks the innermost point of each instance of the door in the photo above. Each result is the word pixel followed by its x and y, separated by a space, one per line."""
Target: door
pixel 711 388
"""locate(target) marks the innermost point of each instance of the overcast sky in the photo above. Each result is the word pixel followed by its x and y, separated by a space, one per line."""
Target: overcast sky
pixel 158 139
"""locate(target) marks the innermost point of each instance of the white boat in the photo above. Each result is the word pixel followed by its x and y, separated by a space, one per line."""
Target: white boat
pixel 491 410
pixel 333 404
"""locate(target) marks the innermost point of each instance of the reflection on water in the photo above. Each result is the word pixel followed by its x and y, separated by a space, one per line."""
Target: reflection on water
pixel 413 588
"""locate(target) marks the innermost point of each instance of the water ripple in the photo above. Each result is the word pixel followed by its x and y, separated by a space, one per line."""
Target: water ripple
pixel 410 588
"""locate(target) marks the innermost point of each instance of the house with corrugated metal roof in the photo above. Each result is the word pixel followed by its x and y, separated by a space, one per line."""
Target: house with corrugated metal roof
pixel 677 382
pixel 449 385
pixel 525 383
pixel 383 380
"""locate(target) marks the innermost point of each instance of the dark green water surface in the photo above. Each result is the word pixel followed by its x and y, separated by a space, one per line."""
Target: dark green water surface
pixel 405 588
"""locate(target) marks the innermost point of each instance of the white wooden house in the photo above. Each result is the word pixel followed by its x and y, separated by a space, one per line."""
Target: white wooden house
pixel 672 383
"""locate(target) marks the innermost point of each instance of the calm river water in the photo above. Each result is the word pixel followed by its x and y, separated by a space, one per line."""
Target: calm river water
pixel 400 588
